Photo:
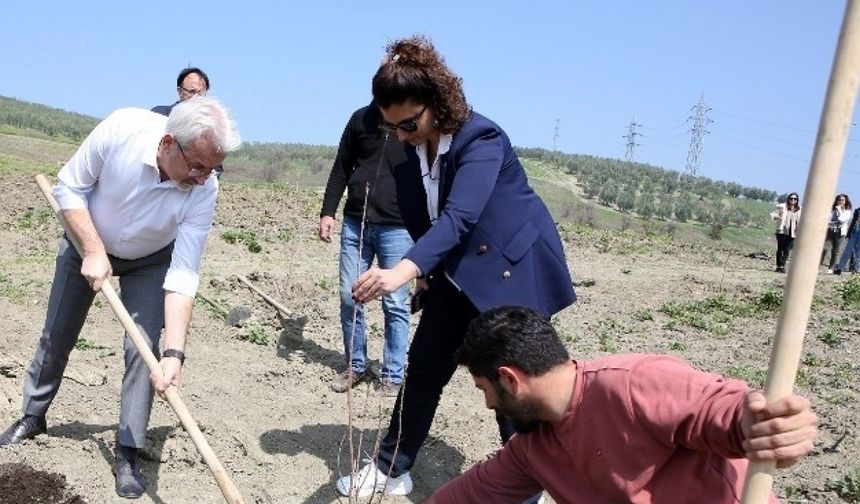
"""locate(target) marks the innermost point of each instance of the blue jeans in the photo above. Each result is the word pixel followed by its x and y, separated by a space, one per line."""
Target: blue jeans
pixel 852 249
pixel 388 244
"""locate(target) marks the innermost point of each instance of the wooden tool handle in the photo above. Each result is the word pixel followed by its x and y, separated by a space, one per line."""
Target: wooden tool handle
pixel 818 196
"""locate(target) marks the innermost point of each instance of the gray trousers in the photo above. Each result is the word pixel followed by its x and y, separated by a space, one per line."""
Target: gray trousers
pixel 142 294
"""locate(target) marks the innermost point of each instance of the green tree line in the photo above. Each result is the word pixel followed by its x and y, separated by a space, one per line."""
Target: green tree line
pixel 650 191
pixel 55 123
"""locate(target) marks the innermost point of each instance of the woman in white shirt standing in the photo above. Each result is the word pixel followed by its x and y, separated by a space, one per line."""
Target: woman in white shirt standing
pixel 787 216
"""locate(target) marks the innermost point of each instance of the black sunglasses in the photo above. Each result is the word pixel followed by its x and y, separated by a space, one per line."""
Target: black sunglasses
pixel 409 125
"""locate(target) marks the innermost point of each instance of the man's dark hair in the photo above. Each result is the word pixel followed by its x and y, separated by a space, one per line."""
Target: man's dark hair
pixel 511 336
pixel 190 70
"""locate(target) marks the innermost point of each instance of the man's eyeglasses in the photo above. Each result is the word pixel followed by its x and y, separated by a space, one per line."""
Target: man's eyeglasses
pixel 409 125
pixel 194 92
pixel 196 170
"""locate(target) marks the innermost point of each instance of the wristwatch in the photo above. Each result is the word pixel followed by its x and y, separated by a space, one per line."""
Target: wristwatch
pixel 172 352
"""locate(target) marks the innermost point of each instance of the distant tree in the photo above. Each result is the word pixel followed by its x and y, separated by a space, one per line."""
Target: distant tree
pixel 608 194
pixel 663 209
pixel 738 215
pixel 317 166
pixel 684 208
pixel 670 182
pixel 645 206
pixel 625 199
pixel 716 231
pixel 734 189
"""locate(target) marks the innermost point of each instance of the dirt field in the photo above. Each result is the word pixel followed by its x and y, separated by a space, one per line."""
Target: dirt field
pixel 267 411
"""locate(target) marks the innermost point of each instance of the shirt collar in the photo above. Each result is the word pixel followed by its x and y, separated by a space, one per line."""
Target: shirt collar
pixel 445 140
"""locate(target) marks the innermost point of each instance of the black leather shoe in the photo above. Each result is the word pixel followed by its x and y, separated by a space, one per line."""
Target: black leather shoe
pixel 129 481
pixel 27 427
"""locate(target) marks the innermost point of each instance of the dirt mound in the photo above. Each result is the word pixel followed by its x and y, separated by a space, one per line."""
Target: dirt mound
pixel 22 484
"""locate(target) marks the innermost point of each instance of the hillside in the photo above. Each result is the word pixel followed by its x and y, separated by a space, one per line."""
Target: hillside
pixel 580 190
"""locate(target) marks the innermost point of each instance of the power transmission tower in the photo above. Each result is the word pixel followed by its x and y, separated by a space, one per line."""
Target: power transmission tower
pixel 697 133
pixel 557 135
pixel 631 138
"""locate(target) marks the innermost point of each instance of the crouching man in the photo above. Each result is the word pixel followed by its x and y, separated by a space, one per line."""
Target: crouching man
pixel 138 198
pixel 624 428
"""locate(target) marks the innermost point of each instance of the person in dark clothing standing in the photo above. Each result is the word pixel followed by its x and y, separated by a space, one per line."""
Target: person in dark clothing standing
pixel 364 161
pixel 483 239
pixel 787 217
pixel 852 249
pixel 191 82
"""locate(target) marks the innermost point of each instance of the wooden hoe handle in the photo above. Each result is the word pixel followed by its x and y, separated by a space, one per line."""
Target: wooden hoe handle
pixel 818 196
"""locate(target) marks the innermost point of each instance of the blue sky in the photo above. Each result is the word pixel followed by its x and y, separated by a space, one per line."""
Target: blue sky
pixel 293 72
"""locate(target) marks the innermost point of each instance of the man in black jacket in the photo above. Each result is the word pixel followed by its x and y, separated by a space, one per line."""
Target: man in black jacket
pixel 363 167
pixel 191 82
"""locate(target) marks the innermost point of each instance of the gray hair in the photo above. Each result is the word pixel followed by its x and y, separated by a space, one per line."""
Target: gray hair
pixel 203 115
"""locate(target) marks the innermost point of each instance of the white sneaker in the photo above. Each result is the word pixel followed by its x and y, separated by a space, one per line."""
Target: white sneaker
pixel 829 271
pixel 371 480
pixel 536 499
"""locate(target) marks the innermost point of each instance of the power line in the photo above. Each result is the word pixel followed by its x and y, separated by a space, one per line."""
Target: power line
pixel 557 134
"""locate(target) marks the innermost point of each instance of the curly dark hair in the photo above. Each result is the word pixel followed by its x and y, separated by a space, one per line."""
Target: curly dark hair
pixel 847 201
pixel 511 336
pixel 415 71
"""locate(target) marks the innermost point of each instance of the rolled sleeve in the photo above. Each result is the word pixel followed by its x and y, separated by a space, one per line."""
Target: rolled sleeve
pixel 69 198
pixel 183 275
pixel 181 280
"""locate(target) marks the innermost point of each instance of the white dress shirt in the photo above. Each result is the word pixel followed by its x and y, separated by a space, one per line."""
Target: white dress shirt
pixel 115 175
pixel 430 173
pixel 430 177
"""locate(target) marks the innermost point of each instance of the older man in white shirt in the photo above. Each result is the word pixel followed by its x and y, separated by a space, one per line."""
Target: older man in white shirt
pixel 138 198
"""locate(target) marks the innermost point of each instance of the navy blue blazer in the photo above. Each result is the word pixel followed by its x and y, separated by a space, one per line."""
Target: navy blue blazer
pixel 494 237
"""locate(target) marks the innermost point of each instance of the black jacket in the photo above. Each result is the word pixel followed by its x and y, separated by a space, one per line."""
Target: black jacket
pixel 854 222
pixel 365 157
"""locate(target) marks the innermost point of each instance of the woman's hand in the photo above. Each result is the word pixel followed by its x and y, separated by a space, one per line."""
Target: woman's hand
pixel 377 282
pixel 421 285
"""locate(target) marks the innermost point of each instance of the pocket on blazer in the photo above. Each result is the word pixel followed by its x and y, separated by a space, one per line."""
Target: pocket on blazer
pixel 521 243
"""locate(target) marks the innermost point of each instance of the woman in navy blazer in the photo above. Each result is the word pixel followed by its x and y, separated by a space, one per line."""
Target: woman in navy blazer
pixel 483 239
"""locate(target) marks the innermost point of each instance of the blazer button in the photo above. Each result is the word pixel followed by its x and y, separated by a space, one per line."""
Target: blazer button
pixel 506 275
pixel 482 249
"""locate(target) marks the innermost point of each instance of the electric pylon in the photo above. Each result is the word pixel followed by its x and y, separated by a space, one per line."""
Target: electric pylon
pixel 697 133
